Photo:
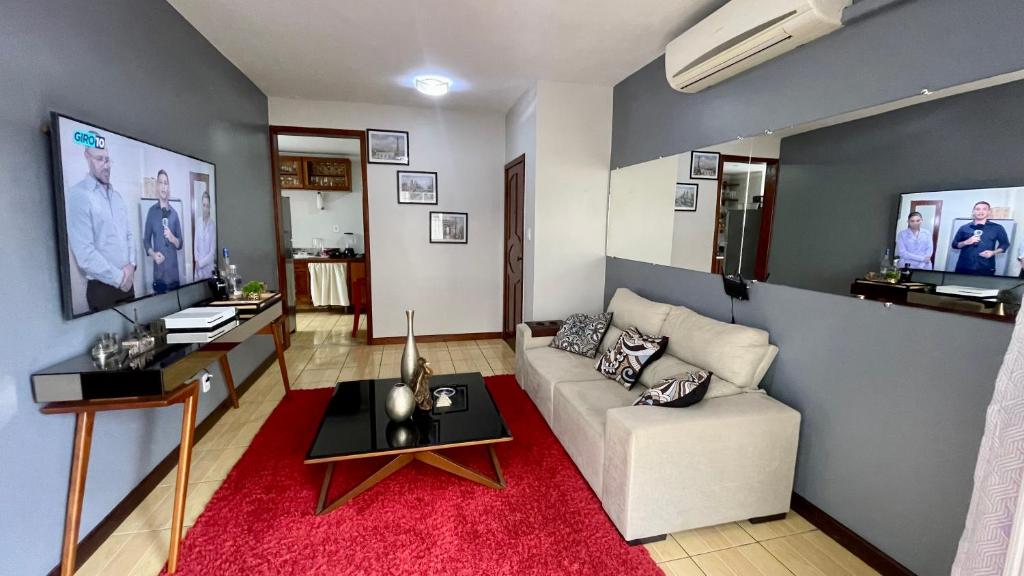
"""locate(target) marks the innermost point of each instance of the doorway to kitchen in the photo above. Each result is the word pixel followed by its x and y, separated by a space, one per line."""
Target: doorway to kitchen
pixel 744 211
pixel 323 234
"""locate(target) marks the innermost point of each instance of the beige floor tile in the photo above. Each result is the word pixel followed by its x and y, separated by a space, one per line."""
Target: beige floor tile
pixel 220 466
pixel 681 567
pixel 141 550
pixel 815 554
pixel 147 515
pixel 792 524
pixel 202 462
pixel 328 359
pixel 443 368
pixel 712 538
pixel 749 560
pixel 361 373
pixel 389 370
pixel 153 560
pixel 665 550
pixel 108 550
pixel 314 377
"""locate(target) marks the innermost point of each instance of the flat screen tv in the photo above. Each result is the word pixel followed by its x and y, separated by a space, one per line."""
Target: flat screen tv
pixel 133 219
pixel 975 232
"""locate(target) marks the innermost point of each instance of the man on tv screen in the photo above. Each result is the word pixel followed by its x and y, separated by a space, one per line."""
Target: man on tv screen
pixel 979 242
pixel 161 237
pixel 100 235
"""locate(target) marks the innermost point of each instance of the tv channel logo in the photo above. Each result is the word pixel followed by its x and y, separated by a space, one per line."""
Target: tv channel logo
pixel 90 139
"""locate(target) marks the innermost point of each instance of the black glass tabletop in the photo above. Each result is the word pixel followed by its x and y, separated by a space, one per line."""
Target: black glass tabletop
pixel 356 425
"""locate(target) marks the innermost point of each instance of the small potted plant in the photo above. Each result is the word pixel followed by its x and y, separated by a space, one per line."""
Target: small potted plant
pixel 254 290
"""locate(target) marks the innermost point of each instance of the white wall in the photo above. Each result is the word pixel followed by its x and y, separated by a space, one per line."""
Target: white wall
pixel 693 233
pixel 574 130
pixel 344 209
pixel 454 288
pixel 521 138
pixel 641 204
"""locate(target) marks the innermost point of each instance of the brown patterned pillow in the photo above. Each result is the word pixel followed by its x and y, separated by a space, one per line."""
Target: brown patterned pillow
pixel 678 392
pixel 633 351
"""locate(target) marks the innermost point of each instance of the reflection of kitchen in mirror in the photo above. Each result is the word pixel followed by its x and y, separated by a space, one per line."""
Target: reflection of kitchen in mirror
pixel 880 203
pixel 320 179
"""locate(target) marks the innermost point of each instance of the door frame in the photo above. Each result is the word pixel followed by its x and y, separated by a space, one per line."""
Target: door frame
pixel 936 222
pixel 278 130
pixel 764 239
pixel 521 159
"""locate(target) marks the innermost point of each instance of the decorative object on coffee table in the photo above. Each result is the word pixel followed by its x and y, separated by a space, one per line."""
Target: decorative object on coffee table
pixel 400 403
pixel 410 355
pixel 421 384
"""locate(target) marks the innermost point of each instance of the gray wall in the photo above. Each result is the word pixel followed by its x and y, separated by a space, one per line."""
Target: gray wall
pixel 843 183
pixel 137 67
pixel 891 426
pixel 893 399
pixel 885 56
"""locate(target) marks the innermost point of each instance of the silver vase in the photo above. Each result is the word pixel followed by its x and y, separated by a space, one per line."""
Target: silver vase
pixel 400 403
pixel 410 355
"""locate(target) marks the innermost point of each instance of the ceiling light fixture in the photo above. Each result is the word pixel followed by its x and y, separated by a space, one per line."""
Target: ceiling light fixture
pixel 433 85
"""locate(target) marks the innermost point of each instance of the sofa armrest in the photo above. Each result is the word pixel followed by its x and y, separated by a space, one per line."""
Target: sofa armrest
pixel 526 340
pixel 722 460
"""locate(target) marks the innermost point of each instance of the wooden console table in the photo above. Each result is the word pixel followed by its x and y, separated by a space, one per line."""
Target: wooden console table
pixel 176 365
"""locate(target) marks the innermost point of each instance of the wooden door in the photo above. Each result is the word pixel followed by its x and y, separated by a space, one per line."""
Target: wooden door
pixel 515 195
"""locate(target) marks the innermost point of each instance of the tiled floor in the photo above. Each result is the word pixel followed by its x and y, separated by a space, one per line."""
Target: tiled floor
pixel 323 352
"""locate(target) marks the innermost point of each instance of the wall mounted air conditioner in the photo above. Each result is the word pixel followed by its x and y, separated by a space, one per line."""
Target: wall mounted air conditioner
pixel 743 34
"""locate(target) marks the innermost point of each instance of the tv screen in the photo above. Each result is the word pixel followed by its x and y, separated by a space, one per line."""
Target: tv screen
pixel 972 232
pixel 133 219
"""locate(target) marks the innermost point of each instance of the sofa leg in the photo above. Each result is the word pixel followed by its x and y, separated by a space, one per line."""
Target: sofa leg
pixel 772 518
pixel 647 540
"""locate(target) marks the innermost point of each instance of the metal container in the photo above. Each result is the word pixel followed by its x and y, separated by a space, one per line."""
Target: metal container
pixel 400 403
pixel 410 355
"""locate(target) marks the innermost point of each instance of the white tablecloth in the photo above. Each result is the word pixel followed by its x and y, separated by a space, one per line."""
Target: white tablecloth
pixel 327 284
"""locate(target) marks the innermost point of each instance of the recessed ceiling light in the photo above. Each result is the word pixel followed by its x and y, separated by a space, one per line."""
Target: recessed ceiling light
pixel 433 85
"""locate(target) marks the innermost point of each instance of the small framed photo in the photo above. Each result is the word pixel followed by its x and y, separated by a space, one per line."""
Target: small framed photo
pixel 417 187
pixel 686 197
pixel 387 146
pixel 449 228
pixel 704 165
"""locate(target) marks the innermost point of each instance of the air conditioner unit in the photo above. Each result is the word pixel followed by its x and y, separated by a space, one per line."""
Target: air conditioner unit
pixel 743 34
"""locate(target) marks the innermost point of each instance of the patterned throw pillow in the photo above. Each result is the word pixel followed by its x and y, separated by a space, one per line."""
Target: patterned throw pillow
pixel 581 333
pixel 677 392
pixel 624 361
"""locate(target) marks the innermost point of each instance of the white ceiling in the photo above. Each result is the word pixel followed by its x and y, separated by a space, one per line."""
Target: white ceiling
pixel 369 50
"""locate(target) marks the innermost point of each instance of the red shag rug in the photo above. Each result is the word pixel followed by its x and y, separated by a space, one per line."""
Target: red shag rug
pixel 418 521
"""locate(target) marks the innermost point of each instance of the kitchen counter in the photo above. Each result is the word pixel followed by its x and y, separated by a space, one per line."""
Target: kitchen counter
pixel 325 259
pixel 355 269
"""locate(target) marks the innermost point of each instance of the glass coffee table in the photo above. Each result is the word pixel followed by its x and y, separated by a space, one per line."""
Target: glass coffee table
pixel 356 426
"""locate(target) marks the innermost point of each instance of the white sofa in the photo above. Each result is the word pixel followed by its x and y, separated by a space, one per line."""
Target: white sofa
pixel 661 470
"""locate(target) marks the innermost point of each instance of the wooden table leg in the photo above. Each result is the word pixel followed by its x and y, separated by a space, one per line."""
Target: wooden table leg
pixel 188 427
pixel 229 380
pixel 76 490
pixel 276 330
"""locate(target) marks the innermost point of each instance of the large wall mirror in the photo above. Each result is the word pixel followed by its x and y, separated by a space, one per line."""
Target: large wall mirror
pixel 916 202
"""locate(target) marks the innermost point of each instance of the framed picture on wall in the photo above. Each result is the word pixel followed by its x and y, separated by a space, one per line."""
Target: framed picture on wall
pixel 686 197
pixel 704 165
pixel 449 228
pixel 387 146
pixel 417 187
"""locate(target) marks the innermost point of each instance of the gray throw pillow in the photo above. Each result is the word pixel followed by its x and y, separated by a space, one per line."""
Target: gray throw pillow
pixel 582 333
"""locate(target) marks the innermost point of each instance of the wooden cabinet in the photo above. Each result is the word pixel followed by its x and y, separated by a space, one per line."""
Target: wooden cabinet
pixel 328 173
pixel 355 269
pixel 289 172
pixel 309 173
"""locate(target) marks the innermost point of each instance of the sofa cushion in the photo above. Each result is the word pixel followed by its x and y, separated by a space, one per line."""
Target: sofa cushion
pixel 580 409
pixel 678 392
pixel 629 309
pixel 669 366
pixel 738 354
pixel 634 350
pixel 582 333
pixel 609 340
pixel 547 366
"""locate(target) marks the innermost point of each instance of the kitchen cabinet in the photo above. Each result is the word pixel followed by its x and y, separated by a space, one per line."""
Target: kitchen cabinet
pixel 355 268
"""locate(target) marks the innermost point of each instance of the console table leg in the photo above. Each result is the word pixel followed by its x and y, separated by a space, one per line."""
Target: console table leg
pixel 188 427
pixel 276 330
pixel 229 380
pixel 76 490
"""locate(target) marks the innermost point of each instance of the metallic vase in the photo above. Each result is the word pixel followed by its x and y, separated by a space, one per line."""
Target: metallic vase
pixel 410 355
pixel 400 403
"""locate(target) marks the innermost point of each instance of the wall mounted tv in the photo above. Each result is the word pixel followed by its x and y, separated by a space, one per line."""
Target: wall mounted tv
pixel 977 232
pixel 133 219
